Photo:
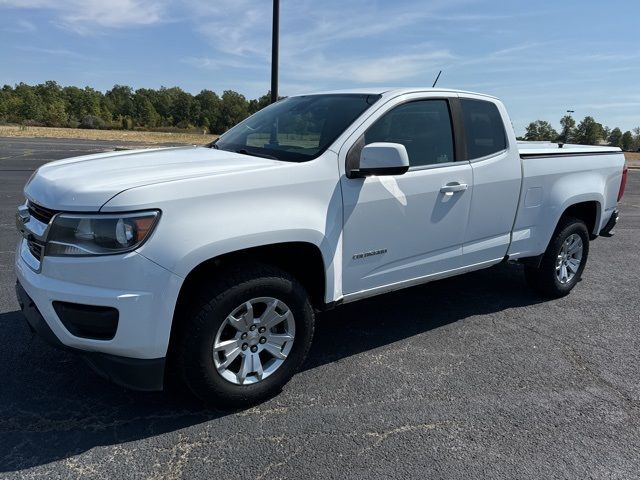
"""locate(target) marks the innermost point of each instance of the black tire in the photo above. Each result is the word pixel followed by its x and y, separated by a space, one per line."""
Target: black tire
pixel 543 278
pixel 212 304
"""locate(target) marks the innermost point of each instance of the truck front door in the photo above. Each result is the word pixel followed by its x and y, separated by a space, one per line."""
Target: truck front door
pixel 400 228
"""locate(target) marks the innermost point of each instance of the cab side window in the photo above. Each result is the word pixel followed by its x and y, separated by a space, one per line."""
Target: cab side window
pixel 484 130
pixel 423 127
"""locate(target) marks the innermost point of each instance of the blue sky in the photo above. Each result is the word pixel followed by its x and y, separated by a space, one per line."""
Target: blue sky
pixel 540 57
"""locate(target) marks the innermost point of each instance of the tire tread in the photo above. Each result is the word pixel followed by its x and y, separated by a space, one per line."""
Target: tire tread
pixel 542 278
pixel 196 322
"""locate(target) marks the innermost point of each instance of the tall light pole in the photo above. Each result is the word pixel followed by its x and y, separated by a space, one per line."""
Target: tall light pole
pixel 274 50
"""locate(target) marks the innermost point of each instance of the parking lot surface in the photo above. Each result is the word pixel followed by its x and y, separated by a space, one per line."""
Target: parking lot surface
pixel 470 377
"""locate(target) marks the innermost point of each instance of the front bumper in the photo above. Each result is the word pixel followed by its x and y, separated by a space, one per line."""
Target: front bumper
pixel 144 294
pixel 134 373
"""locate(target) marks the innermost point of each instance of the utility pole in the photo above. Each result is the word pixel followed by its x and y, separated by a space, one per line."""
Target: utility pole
pixel 274 50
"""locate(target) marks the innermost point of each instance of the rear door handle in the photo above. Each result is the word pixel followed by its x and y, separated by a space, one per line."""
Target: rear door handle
pixel 453 187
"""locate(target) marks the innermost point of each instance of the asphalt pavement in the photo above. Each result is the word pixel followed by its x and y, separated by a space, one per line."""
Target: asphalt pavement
pixel 470 377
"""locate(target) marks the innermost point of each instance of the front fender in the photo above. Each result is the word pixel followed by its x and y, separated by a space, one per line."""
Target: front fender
pixel 207 217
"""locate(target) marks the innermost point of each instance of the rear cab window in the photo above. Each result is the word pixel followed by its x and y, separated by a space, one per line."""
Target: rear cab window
pixel 484 130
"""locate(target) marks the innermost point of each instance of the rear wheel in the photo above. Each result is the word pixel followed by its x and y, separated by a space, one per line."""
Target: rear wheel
pixel 564 260
pixel 246 337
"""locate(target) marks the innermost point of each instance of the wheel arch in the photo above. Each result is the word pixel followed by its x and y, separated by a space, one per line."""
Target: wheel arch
pixel 589 211
pixel 585 208
pixel 304 260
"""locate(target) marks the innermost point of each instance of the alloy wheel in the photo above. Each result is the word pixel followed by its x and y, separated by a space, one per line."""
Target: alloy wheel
pixel 254 340
pixel 569 258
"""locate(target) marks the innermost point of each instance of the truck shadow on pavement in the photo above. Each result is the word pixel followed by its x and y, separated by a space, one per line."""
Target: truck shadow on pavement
pixel 53 407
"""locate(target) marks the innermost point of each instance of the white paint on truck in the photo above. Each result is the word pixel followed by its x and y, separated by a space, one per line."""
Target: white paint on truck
pixel 462 211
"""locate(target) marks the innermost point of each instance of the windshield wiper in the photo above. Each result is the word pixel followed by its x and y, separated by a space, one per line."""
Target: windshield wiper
pixel 244 151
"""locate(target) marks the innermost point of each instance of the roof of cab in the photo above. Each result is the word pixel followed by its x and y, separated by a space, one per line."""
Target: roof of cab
pixel 393 92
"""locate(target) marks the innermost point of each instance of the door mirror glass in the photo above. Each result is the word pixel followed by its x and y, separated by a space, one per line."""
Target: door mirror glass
pixel 382 158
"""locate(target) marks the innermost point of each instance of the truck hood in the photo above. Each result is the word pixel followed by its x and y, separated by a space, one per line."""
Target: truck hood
pixel 88 182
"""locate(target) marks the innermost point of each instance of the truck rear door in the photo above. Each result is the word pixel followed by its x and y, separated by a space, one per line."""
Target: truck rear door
pixel 492 150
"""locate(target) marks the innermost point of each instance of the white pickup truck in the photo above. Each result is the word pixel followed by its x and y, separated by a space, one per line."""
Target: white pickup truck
pixel 210 262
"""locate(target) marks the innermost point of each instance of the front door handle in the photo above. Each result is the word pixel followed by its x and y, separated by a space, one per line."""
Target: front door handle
pixel 453 187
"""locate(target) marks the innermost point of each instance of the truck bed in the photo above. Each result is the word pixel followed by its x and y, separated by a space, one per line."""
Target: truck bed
pixel 544 149
pixel 550 184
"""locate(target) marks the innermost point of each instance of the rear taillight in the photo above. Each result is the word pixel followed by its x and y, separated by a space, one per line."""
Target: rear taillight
pixel 623 182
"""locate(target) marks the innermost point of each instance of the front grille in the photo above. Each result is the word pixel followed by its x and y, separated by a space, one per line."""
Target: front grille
pixel 35 248
pixel 41 213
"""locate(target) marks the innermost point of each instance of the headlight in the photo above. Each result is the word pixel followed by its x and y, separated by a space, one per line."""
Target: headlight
pixel 99 234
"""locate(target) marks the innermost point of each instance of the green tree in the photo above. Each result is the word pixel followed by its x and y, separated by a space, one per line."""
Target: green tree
pixel 588 132
pixel 120 98
pixel 7 103
pixel 30 106
pixel 162 102
pixel 615 137
pixel 540 130
pixel 74 102
pixel 233 109
pixel 55 114
pixel 105 111
pixel 181 107
pixel 567 134
pixel 49 92
pixel 627 141
pixel 50 104
pixel 147 114
pixel 91 101
pixel 260 103
pixel 636 138
pixel 144 113
pixel 209 103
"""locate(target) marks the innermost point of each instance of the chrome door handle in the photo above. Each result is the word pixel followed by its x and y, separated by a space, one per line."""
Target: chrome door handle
pixel 453 187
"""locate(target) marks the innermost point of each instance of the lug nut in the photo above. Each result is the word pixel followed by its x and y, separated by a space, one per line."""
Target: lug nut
pixel 243 336
pixel 263 340
pixel 262 329
pixel 254 349
pixel 252 328
pixel 245 346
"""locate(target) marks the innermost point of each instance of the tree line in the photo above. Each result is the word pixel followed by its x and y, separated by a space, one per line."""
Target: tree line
pixel 49 104
pixel 587 132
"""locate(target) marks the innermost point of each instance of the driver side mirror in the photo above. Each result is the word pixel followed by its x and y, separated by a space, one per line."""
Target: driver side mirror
pixel 381 158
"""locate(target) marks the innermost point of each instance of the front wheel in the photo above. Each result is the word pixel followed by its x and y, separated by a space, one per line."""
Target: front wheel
pixel 564 260
pixel 247 337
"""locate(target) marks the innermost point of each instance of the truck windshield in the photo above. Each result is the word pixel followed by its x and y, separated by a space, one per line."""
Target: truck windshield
pixel 295 129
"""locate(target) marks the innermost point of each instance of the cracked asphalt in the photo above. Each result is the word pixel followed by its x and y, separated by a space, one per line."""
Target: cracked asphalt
pixel 471 377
